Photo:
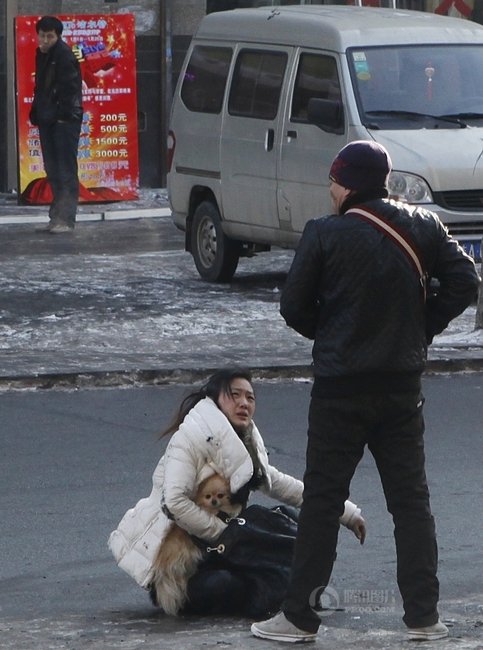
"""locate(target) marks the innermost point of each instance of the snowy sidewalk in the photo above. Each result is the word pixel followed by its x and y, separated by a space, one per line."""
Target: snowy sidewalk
pixel 120 302
pixel 151 203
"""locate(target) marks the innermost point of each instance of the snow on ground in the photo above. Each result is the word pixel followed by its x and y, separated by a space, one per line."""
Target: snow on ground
pixel 108 309
pixel 147 309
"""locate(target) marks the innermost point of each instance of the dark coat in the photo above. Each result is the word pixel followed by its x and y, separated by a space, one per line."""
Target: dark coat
pixel 353 291
pixel 58 86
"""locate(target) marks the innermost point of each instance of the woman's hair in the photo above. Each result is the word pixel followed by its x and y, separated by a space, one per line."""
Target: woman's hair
pixel 218 383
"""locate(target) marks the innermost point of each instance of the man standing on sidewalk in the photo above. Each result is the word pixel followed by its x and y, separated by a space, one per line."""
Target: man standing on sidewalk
pixel 357 287
pixel 57 111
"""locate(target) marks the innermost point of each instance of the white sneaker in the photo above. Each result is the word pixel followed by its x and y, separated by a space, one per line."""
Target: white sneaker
pixel 430 633
pixel 279 628
pixel 44 228
pixel 59 228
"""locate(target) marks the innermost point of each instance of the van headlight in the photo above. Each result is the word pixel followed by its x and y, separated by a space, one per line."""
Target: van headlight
pixel 408 187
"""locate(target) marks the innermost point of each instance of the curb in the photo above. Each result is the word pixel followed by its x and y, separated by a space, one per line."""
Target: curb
pixel 105 215
pixel 138 377
pixel 163 376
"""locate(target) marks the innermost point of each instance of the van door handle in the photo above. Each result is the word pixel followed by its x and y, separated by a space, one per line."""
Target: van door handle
pixel 291 134
pixel 269 139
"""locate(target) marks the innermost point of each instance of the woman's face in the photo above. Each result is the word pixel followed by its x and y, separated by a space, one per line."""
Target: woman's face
pixel 239 406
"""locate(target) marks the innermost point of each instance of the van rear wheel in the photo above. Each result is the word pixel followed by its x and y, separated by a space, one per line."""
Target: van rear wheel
pixel 216 255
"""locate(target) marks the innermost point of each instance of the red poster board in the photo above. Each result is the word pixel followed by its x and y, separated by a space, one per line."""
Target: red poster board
pixel 108 147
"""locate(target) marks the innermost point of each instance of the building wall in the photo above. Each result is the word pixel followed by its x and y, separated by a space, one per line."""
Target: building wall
pixel 163 33
pixel 3 104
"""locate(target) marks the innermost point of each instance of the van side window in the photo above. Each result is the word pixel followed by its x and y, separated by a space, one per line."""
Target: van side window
pixel 205 78
pixel 316 77
pixel 257 83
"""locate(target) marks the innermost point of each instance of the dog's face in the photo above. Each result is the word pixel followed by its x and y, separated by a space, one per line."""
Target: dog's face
pixel 213 493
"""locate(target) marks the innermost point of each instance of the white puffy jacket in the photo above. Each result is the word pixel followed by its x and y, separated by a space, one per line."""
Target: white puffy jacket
pixel 204 444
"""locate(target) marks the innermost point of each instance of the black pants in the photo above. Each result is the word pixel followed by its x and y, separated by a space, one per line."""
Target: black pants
pixel 392 426
pixel 254 593
pixel 60 142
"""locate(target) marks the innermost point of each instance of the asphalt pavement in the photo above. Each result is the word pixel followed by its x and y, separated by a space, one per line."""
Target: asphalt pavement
pixel 73 462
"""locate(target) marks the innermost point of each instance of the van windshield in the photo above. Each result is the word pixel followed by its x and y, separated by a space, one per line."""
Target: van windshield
pixel 421 86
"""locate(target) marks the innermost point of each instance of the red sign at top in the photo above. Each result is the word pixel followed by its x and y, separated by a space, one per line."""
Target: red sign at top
pixel 108 147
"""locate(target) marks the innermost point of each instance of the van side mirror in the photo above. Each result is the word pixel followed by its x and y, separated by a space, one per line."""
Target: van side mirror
pixel 327 114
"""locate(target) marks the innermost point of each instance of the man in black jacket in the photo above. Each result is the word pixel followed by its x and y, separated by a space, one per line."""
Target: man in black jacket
pixel 57 111
pixel 355 289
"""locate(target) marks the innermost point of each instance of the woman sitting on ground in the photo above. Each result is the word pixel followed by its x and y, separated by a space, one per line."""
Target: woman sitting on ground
pixel 213 433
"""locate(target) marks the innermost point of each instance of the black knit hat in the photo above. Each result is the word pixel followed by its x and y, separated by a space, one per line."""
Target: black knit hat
pixel 361 165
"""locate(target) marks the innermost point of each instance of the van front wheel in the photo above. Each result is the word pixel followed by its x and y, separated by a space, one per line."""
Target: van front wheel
pixel 215 255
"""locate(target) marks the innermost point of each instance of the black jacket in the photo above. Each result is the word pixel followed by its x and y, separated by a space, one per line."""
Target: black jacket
pixel 352 290
pixel 58 86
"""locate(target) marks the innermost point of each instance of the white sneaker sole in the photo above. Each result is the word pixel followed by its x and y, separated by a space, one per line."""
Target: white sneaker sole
pixel 287 638
pixel 421 636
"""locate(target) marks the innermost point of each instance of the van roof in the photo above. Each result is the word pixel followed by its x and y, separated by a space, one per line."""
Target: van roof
pixel 335 27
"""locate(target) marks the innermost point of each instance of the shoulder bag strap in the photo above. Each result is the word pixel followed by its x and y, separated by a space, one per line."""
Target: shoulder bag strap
pixel 398 237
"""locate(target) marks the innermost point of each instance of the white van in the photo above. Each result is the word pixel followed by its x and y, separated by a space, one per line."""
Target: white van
pixel 268 96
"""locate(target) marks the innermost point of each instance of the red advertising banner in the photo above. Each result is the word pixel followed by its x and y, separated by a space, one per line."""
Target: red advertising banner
pixel 108 147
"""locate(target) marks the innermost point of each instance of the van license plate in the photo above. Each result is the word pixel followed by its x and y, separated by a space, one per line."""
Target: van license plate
pixel 473 248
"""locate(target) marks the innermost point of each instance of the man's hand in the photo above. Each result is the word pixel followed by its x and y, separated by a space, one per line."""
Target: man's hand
pixel 358 527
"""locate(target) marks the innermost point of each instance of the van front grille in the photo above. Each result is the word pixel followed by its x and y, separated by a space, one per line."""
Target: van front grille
pixel 466 229
pixel 469 200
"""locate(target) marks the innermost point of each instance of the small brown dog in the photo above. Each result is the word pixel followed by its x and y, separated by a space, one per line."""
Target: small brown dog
pixel 178 556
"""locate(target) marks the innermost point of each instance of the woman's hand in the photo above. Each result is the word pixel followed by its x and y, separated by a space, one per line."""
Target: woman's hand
pixel 358 527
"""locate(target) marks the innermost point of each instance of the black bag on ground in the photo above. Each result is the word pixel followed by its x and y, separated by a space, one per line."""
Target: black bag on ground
pixel 258 537
pixel 258 546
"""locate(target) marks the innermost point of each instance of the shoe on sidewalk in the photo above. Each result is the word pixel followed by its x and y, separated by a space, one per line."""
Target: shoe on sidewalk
pixel 429 633
pixel 44 228
pixel 279 628
pixel 60 227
